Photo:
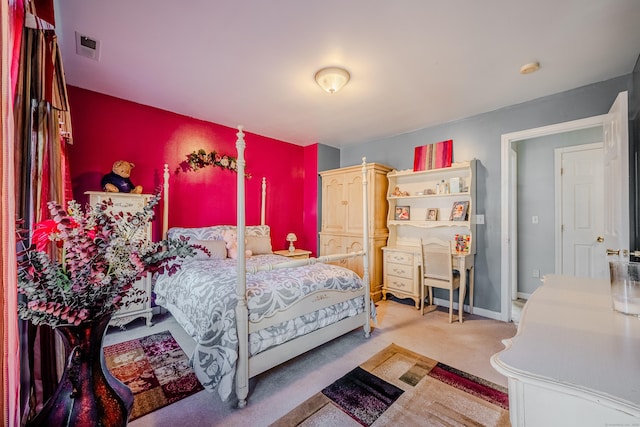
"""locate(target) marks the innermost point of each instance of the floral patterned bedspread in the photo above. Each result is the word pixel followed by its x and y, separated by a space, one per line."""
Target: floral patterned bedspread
pixel 202 298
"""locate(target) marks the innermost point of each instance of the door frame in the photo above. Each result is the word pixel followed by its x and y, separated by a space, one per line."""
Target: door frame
pixel 509 193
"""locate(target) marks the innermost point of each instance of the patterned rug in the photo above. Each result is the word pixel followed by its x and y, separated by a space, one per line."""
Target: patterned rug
pixel 156 370
pixel 398 387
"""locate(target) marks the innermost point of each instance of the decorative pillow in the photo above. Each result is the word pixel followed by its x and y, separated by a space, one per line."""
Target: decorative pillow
pixel 217 248
pixel 259 245
pixel 194 233
pixel 215 232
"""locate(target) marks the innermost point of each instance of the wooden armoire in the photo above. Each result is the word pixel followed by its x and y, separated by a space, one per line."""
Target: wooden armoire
pixel 341 229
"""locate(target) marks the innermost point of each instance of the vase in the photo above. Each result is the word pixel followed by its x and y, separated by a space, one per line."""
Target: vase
pixel 88 394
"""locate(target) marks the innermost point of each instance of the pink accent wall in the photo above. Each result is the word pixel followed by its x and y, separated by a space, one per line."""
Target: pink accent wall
pixel 106 129
pixel 310 205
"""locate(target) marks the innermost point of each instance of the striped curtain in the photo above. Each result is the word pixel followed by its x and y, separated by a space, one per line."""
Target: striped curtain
pixel 42 132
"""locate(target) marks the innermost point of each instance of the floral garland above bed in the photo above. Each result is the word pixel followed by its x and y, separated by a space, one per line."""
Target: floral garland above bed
pixel 200 159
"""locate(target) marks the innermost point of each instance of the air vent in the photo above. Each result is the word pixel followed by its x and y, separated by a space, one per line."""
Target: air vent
pixel 87 46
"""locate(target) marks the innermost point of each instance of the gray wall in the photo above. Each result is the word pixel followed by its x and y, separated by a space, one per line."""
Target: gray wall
pixel 479 137
pixel 328 158
pixel 536 177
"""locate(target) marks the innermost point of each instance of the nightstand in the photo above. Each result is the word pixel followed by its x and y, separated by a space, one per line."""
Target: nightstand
pixel 297 254
pixel 138 302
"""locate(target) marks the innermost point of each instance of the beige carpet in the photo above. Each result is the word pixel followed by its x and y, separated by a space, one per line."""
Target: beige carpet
pixel 276 392
pixel 430 402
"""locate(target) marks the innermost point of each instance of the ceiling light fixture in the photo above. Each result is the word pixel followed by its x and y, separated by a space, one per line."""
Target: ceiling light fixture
pixel 529 68
pixel 332 79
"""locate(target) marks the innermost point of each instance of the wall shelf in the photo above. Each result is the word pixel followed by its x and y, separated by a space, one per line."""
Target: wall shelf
pixel 402 255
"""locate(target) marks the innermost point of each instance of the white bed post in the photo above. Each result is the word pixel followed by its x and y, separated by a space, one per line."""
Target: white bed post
pixel 242 312
pixel 165 202
pixel 264 198
pixel 365 246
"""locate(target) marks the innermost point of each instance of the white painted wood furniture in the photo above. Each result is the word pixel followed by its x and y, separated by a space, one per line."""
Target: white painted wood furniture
pixel 420 192
pixel 248 367
pixel 402 267
pixel 138 302
pixel 342 230
pixel 437 272
pixel 402 273
pixel 574 361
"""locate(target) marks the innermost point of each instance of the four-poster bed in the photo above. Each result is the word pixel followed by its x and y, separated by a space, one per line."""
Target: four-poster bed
pixel 251 314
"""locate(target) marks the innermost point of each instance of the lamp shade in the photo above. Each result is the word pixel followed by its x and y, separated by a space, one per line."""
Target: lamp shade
pixel 332 79
pixel 291 237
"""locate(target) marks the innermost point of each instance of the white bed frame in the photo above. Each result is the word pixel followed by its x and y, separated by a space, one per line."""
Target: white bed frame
pixel 248 367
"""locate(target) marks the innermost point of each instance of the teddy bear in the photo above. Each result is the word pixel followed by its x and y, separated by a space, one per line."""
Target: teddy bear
pixel 230 237
pixel 117 181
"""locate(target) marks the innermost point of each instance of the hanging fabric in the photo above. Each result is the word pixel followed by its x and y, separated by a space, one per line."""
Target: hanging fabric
pixel 42 131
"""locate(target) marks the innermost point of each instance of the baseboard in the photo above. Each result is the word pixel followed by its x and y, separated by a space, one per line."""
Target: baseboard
pixel 495 315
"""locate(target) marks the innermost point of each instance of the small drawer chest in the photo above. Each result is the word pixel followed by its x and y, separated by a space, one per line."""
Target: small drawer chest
pixel 401 273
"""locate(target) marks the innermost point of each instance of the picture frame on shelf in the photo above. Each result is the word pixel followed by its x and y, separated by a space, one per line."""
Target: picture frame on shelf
pixel 402 213
pixel 432 214
pixel 459 211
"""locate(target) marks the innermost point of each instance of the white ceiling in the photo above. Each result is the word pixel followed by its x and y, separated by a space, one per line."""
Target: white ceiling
pixel 413 63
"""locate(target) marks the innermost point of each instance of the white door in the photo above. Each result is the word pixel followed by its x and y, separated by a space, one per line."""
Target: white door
pixel 616 179
pixel 581 215
pixel 616 188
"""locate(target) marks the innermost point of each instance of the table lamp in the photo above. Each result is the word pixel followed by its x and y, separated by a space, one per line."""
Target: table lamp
pixel 291 237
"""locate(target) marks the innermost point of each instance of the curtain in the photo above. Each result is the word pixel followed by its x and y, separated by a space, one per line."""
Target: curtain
pixel 11 19
pixel 42 131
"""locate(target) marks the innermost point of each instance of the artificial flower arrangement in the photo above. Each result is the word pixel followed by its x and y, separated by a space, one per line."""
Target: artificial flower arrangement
pixel 200 159
pixel 97 260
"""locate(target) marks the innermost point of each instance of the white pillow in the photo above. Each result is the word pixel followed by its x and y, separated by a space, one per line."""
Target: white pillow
pixel 259 245
pixel 218 249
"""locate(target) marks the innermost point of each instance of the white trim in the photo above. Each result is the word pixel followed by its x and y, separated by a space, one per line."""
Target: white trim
pixel 509 253
pixel 523 295
pixel 489 314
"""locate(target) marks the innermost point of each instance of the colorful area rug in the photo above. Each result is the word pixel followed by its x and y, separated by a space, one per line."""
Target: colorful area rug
pixel 156 370
pixel 398 387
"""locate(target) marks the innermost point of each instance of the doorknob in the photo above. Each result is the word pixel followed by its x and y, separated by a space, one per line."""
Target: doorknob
pixel 612 252
pixel 599 239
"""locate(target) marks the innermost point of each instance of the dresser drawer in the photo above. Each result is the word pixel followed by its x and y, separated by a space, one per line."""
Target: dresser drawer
pixel 399 283
pixel 399 257
pixel 401 270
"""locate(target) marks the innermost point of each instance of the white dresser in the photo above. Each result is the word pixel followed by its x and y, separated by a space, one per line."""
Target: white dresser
pixel 138 302
pixel 574 361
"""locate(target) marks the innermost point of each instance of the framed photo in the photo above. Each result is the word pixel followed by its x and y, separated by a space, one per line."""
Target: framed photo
pixel 402 213
pixel 459 211
pixel 432 214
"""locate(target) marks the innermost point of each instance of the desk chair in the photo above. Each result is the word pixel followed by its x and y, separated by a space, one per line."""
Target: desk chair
pixel 437 272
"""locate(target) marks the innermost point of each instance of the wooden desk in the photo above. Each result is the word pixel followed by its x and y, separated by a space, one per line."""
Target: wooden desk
pixel 408 285
pixel 464 263
pixel 574 361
